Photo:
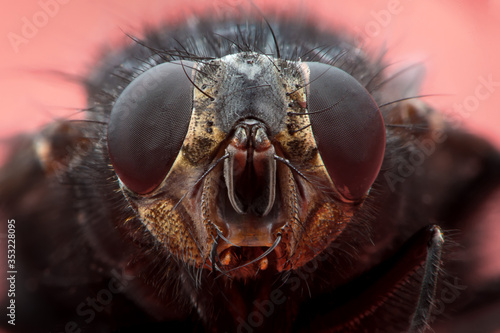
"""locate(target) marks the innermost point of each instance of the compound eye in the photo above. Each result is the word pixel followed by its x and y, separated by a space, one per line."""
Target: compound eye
pixel 348 128
pixel 148 124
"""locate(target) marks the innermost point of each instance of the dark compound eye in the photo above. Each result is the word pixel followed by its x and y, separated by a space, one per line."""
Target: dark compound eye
pixel 348 128
pixel 148 124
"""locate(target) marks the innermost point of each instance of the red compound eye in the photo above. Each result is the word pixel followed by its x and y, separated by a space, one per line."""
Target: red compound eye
pixel 148 124
pixel 348 128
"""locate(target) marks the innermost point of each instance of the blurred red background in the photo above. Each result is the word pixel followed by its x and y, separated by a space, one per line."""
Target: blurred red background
pixel 456 40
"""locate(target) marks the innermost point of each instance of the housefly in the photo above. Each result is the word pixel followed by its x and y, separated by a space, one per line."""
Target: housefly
pixel 246 175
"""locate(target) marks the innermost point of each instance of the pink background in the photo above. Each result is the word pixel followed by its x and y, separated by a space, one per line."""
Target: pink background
pixel 458 41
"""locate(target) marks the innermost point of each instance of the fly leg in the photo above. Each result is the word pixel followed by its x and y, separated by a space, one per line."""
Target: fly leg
pixel 432 266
